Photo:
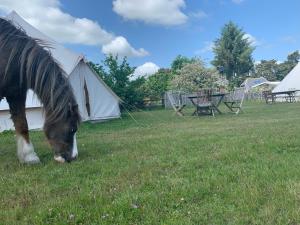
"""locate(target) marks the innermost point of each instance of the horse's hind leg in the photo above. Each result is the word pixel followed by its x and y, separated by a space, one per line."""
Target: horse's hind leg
pixel 26 153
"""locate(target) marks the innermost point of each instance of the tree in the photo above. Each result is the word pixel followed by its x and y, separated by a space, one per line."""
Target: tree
pixel 135 95
pixel 267 69
pixel 157 84
pixel 294 58
pixel 116 74
pixel 233 53
pixel 180 61
pixel 99 69
pixel 285 67
pixel 194 76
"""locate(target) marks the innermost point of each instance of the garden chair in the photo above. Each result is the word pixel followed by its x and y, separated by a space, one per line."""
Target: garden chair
pixel 204 103
pixel 175 99
pixel 234 100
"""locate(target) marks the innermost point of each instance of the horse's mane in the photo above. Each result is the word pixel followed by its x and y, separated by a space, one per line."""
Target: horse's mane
pixel 37 70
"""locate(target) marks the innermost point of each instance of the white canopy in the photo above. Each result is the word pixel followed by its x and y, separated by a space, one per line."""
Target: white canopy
pixel 291 82
pixel 95 99
pixel 251 82
pixel 268 83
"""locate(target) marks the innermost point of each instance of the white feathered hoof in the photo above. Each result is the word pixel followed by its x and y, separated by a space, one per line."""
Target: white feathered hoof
pixel 59 159
pixel 31 158
pixel 26 153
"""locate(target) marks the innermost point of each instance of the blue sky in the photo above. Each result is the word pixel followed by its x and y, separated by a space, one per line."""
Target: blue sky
pixel 157 31
pixel 274 25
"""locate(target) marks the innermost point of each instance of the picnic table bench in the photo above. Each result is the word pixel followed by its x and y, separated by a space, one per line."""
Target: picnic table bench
pixel 290 96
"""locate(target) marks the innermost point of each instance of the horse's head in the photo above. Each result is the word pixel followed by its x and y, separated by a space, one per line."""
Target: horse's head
pixel 61 135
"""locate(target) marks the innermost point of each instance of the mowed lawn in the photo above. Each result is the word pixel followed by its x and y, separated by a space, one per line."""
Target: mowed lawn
pixel 163 169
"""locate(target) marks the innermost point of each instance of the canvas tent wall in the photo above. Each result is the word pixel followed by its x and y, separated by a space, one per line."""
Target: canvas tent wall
pixel 96 101
pixel 291 81
pixel 34 113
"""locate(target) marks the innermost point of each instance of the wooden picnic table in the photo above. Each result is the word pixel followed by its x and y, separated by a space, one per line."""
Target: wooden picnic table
pixel 289 96
pixel 215 104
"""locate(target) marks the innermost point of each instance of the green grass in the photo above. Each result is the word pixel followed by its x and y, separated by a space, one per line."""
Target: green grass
pixel 163 169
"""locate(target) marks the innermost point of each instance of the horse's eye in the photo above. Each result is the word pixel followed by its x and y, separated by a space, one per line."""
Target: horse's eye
pixel 72 130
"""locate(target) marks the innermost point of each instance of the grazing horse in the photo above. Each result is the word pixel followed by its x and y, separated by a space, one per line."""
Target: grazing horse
pixel 25 63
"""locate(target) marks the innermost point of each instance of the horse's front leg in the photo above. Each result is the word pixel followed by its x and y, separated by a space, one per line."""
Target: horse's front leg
pixel 25 151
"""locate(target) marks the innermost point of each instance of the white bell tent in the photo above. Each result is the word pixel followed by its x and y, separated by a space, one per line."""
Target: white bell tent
pixel 96 101
pixel 34 113
pixel 291 82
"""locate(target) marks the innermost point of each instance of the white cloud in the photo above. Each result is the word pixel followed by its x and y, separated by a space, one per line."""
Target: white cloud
pixel 253 40
pixel 119 46
pixel 162 12
pixel 145 70
pixel 208 47
pixel 48 17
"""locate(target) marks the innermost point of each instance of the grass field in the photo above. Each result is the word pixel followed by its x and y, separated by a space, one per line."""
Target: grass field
pixel 163 169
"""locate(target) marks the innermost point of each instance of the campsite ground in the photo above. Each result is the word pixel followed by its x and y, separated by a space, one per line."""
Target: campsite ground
pixel 164 169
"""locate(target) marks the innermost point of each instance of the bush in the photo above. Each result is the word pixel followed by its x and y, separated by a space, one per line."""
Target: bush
pixel 116 74
pixel 194 76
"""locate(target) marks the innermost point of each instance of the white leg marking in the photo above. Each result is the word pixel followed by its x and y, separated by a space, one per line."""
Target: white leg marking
pixel 26 153
pixel 75 149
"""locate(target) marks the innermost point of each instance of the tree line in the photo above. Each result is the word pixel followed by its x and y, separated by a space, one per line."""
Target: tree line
pixel 232 64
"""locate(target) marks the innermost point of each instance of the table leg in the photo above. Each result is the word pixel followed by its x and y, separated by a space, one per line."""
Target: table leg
pixel 179 110
pixel 195 112
pixel 216 108
pixel 229 106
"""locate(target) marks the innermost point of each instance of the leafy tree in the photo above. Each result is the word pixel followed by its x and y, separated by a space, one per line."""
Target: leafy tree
pixel 233 53
pixel 294 58
pixel 116 74
pixel 180 61
pixel 194 76
pixel 99 69
pixel 267 69
pixel 285 67
pixel 157 84
pixel 135 94
pixel 272 70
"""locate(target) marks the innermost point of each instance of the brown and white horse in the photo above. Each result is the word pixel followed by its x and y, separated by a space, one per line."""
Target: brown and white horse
pixel 25 63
